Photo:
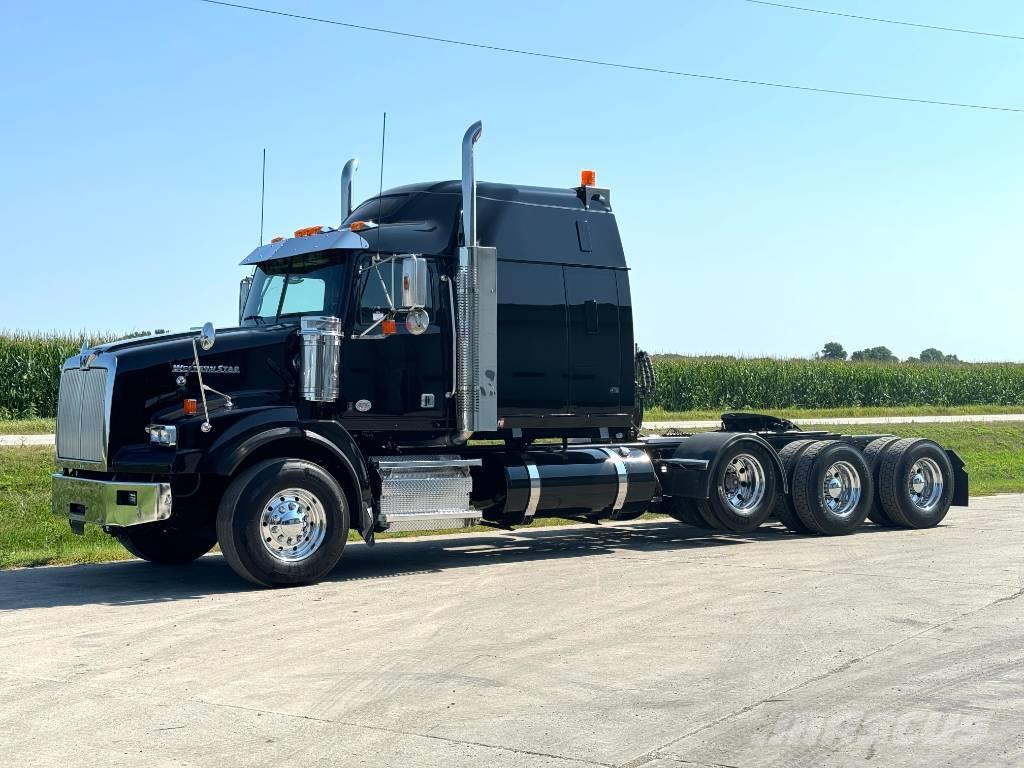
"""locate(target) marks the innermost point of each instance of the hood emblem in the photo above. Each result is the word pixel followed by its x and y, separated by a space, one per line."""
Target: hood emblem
pixel 85 360
pixel 191 368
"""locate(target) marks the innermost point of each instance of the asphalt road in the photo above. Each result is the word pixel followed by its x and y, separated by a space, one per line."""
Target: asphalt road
pixel 646 644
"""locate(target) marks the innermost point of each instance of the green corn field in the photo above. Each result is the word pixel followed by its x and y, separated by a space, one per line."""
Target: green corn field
pixel 30 370
pixel 719 383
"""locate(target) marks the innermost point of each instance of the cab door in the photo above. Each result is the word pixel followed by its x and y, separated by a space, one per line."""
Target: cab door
pixel 391 376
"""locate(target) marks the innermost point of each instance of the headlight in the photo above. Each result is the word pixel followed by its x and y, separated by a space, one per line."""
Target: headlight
pixel 161 435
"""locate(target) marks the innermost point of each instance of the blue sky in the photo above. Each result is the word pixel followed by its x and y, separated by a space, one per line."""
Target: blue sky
pixel 756 221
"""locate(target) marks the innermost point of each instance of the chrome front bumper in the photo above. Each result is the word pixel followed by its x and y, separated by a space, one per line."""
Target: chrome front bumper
pixel 103 502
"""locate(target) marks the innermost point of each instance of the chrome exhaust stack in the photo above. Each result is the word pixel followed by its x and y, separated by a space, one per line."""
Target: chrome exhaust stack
pixel 469 186
pixel 476 346
pixel 346 187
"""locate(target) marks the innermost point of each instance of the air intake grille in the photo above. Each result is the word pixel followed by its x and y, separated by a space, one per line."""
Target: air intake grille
pixel 81 415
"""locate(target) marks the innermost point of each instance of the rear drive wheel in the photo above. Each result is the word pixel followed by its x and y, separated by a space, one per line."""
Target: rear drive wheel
pixel 832 488
pixel 159 544
pixel 916 483
pixel 685 511
pixel 784 509
pixel 283 522
pixel 873 456
pixel 744 489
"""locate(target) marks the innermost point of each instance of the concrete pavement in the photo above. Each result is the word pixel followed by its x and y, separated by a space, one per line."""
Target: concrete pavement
pixel 644 645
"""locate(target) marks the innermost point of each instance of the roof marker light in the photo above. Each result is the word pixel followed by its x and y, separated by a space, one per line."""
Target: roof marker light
pixel 588 178
pixel 307 231
pixel 277 239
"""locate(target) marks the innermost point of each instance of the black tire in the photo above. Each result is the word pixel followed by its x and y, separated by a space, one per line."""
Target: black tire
pixel 736 465
pixel 873 456
pixel 707 515
pixel 685 511
pixel 241 526
pixel 160 544
pixel 895 475
pixel 784 509
pixel 808 488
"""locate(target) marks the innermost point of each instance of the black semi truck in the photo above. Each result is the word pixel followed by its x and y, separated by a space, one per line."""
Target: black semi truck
pixel 452 353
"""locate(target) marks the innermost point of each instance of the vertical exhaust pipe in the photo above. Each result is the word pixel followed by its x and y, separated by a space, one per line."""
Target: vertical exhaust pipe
pixel 467 346
pixel 469 184
pixel 346 187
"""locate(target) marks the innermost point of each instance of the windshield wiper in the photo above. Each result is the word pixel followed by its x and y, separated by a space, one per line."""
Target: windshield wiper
pixel 259 320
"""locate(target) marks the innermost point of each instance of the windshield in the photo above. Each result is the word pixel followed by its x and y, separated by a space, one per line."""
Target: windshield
pixel 285 289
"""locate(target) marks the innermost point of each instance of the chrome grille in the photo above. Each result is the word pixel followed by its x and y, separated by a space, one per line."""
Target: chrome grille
pixel 82 415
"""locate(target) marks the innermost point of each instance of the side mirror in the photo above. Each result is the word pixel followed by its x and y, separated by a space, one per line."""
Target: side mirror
pixel 207 336
pixel 415 282
pixel 243 294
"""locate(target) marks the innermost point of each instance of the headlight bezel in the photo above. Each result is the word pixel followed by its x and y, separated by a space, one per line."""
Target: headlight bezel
pixel 163 435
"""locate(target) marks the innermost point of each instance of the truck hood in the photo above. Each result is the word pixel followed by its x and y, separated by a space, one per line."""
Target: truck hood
pixel 155 374
pixel 175 349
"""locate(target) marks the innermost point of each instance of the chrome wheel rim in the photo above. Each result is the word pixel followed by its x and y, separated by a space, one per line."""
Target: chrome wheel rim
pixel 841 489
pixel 924 484
pixel 744 484
pixel 293 525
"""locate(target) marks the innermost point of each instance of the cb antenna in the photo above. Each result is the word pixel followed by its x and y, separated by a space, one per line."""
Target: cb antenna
pixel 263 193
pixel 380 192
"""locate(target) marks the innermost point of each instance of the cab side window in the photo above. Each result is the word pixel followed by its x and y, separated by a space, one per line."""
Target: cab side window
pixel 377 291
pixel 380 294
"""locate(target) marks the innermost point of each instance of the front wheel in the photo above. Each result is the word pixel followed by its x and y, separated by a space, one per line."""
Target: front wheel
pixel 159 544
pixel 283 522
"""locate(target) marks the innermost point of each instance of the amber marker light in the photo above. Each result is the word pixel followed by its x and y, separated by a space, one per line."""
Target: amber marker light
pixel 190 406
pixel 277 239
pixel 389 327
pixel 588 178
pixel 355 226
pixel 307 231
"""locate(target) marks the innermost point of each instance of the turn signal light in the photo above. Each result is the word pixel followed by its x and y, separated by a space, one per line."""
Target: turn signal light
pixel 190 406
pixel 307 231
pixel 588 178
pixel 389 327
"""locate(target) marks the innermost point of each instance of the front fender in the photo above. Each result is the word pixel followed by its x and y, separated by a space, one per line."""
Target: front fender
pixel 700 457
pixel 259 430
pixel 236 443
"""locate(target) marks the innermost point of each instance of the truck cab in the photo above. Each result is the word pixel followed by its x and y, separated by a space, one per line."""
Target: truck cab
pixel 564 346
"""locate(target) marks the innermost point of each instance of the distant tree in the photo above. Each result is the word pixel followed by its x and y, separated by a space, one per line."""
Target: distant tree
pixel 833 350
pixel 875 354
pixel 933 355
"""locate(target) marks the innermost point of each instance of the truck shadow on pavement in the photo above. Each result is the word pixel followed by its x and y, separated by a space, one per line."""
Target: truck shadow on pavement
pixel 130 582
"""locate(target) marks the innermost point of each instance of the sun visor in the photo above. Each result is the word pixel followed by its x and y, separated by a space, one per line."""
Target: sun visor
pixel 297 246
